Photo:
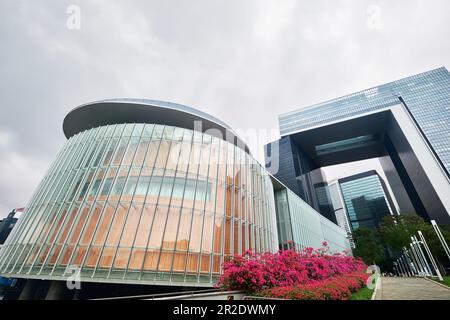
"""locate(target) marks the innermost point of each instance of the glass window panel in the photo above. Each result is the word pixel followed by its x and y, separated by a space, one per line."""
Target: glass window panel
pixel 151 260
pixel 205 261
pixel 194 243
pixel 165 261
pixel 131 226
pixel 183 159
pixel 220 199
pixel 90 227
pixel 171 228
pixel 138 130
pixel 178 134
pixel 236 237
pixel 128 129
pixel 122 257
pixel 67 225
pixel 100 153
pixel 130 185
pixel 194 158
pixel 174 155
pixel 168 132
pixel 207 234
pixel 67 253
pixel 230 163
pixel 229 200
pixel 106 188
pixel 179 261
pixel 51 237
pixel 218 235
pixel 78 257
pixel 86 184
pixel 52 255
pixel 92 258
pixel 152 153
pixel 107 257
pixel 109 131
pixel 156 234
pixel 119 183
pixel 143 184
pixel 136 259
pixel 92 151
pixel 192 263
pixel 227 235
pixel 95 185
pixel 216 264
pixel 237 167
pixel 148 130
pixel 117 225
pixel 236 203
pixel 163 154
pixel 157 132
pixel 189 192
pixel 141 152
pixel 81 221
pixel 166 189
pixel 120 151
pixel 243 241
pixel 119 130
pixel 184 230
pixel 131 150
pixel 144 226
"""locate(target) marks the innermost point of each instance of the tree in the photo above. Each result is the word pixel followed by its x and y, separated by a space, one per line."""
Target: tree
pixel 368 246
pixel 396 232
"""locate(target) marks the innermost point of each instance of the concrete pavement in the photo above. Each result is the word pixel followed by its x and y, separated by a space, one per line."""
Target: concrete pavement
pixel 410 289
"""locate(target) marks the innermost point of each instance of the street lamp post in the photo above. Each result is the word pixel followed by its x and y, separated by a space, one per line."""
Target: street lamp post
pixel 430 255
pixel 406 265
pixel 408 262
pixel 415 257
pixel 421 256
pixel 441 238
pixel 403 271
pixel 402 267
pixel 413 262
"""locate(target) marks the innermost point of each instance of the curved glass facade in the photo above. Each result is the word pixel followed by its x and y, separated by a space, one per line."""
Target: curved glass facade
pixel 143 203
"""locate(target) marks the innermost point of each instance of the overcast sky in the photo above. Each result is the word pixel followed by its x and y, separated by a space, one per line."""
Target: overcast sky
pixel 242 61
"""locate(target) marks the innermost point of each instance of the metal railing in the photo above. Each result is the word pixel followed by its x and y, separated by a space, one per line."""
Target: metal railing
pixel 161 295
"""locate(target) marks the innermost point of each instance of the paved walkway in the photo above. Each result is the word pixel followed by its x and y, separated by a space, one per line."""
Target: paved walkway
pixel 410 289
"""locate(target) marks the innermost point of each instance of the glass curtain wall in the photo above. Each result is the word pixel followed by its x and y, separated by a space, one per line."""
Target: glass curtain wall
pixel 144 202
pixel 300 226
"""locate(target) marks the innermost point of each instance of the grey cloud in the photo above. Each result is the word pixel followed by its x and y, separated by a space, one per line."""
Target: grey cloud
pixel 242 61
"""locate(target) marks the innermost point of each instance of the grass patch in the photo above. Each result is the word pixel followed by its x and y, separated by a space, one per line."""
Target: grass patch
pixel 363 294
pixel 446 281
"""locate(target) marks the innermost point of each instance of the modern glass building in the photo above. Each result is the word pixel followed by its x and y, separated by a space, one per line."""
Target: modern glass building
pixel 146 192
pixel 340 211
pixel 145 202
pixel 405 123
pixel 366 200
pixel 300 226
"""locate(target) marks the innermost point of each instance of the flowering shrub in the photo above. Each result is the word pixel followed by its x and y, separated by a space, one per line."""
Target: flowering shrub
pixel 336 288
pixel 308 274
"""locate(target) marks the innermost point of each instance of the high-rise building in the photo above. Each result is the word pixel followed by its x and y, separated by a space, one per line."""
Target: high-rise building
pixel 8 223
pixel 366 199
pixel 405 123
pixel 340 211
pixel 154 193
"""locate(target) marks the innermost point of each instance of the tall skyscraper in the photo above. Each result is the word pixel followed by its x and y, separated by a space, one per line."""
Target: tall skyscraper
pixel 366 199
pixel 405 123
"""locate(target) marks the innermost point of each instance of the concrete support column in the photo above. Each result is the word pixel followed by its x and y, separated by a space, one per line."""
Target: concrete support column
pixel 57 291
pixel 29 289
